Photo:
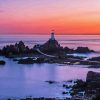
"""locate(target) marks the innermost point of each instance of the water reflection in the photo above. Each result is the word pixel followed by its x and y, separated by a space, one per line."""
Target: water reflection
pixel 24 80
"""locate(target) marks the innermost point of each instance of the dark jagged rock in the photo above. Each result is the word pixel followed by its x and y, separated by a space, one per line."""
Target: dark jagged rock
pixel 17 49
pixel 51 82
pixel 83 50
pixel 79 86
pixel 93 83
pixel 31 61
pixel 89 63
pixel 2 62
pixel 50 46
pixel 93 76
pixel 26 61
pixel 66 86
pixel 95 59
pixel 68 50
pixel 91 87
pixel 40 60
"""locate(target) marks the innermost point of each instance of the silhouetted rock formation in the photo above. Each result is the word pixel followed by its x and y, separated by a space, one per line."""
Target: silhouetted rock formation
pixel 93 83
pixel 87 62
pixel 68 50
pixel 95 59
pixel 51 45
pixel 93 77
pixel 26 61
pixel 83 50
pixel 31 61
pixel 91 87
pixel 17 49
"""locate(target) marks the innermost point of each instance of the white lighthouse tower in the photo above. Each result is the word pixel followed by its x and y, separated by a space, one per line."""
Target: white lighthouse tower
pixel 52 36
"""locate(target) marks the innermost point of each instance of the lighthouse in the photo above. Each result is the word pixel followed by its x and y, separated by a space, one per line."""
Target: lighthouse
pixel 52 36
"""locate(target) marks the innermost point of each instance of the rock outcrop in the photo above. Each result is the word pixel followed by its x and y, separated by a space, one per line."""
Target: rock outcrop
pixel 95 59
pixel 2 62
pixel 83 50
pixel 50 45
pixel 94 78
pixel 93 83
pixel 91 87
pixel 16 49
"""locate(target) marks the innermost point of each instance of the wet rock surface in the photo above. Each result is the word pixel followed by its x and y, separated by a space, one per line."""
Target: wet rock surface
pixel 30 61
pixel 83 50
pixel 95 59
pixel 91 87
pixel 2 62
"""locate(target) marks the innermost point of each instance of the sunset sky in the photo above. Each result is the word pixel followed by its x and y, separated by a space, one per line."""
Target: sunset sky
pixel 41 16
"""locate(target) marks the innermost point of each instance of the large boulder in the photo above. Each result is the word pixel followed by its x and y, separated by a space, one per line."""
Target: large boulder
pixel 93 76
pixel 2 62
pixel 93 80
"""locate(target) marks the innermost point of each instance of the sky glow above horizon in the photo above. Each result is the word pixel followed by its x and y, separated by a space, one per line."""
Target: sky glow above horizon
pixel 41 16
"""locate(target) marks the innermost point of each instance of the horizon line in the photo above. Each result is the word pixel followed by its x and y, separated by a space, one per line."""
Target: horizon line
pixel 49 33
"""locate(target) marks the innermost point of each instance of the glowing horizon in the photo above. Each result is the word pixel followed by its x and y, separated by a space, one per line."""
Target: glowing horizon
pixel 41 16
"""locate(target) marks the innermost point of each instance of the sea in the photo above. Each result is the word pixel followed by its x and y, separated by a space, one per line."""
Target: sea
pixel 20 81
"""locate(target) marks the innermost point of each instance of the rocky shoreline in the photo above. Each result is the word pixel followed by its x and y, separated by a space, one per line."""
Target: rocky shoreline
pixel 49 52
pixel 54 54
pixel 78 89
pixel 91 87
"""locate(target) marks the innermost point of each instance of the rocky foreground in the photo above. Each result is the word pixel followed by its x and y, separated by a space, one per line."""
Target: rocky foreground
pixel 78 89
pixel 90 88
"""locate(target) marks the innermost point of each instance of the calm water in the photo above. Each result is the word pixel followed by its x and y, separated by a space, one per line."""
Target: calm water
pixel 29 80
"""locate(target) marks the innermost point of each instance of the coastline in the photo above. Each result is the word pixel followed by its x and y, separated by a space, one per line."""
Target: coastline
pixel 67 60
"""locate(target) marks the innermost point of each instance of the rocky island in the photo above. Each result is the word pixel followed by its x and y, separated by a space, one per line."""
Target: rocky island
pixel 52 52
pixel 49 52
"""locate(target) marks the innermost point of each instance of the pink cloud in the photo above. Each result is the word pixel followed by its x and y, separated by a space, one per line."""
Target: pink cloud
pixel 1 11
